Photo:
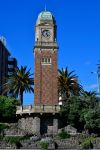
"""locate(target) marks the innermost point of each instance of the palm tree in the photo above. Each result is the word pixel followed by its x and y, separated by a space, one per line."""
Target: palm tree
pixel 89 94
pixel 19 82
pixel 90 98
pixel 68 84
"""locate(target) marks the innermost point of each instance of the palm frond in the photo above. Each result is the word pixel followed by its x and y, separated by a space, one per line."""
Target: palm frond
pixel 20 81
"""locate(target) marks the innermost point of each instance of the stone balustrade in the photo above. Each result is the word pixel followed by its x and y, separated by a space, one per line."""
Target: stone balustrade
pixel 37 109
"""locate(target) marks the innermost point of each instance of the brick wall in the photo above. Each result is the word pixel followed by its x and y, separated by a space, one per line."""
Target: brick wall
pixel 45 81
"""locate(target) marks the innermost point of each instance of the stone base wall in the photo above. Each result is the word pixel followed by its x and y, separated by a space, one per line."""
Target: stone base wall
pixel 42 124
pixel 34 124
pixel 30 124
pixel 46 123
pixel 12 130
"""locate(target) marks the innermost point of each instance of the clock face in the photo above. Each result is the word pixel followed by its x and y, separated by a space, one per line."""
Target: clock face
pixel 46 33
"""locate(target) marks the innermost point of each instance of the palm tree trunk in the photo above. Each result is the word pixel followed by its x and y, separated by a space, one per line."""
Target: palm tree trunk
pixel 21 97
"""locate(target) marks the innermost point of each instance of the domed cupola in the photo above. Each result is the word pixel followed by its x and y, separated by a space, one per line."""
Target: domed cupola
pixel 45 29
pixel 45 16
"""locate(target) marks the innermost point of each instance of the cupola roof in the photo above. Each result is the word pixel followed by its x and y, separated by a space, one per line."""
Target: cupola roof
pixel 45 16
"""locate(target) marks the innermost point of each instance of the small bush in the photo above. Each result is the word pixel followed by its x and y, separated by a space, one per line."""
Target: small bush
pixel 15 139
pixel 12 139
pixel 63 134
pixel 44 145
pixel 87 143
pixel 3 126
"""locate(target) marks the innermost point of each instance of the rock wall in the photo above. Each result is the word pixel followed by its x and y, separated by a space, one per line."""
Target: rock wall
pixel 71 143
pixel 42 124
pixel 74 142
pixel 12 130
pixel 30 125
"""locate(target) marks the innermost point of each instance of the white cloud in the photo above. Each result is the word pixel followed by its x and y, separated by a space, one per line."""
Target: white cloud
pixel 93 86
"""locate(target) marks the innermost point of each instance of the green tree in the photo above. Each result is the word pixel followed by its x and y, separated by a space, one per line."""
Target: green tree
pixel 68 84
pixel 92 120
pixel 82 113
pixel 7 107
pixel 90 99
pixel 89 94
pixel 20 82
pixel 72 110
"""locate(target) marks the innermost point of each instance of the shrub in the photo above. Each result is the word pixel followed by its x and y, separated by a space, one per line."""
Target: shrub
pixel 16 139
pixel 3 126
pixel 12 139
pixel 63 134
pixel 7 107
pixel 44 145
pixel 87 143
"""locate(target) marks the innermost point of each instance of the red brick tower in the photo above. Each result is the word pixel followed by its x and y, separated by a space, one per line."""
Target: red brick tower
pixel 45 53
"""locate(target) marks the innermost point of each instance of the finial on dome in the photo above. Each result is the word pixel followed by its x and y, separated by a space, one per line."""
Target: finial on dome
pixel 45 7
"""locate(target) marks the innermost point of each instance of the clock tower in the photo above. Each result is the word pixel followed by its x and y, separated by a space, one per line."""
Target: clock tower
pixel 45 53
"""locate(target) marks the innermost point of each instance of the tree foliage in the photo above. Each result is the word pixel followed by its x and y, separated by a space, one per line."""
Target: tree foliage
pixel 7 107
pixel 88 143
pixel 82 112
pixel 63 134
pixel 68 84
pixel 20 82
pixel 92 120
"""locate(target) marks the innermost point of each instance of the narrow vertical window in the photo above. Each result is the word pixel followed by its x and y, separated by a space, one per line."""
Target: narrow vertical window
pixel 46 60
pixel 42 60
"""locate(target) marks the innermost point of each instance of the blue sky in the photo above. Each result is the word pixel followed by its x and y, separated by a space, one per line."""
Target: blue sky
pixel 78 35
